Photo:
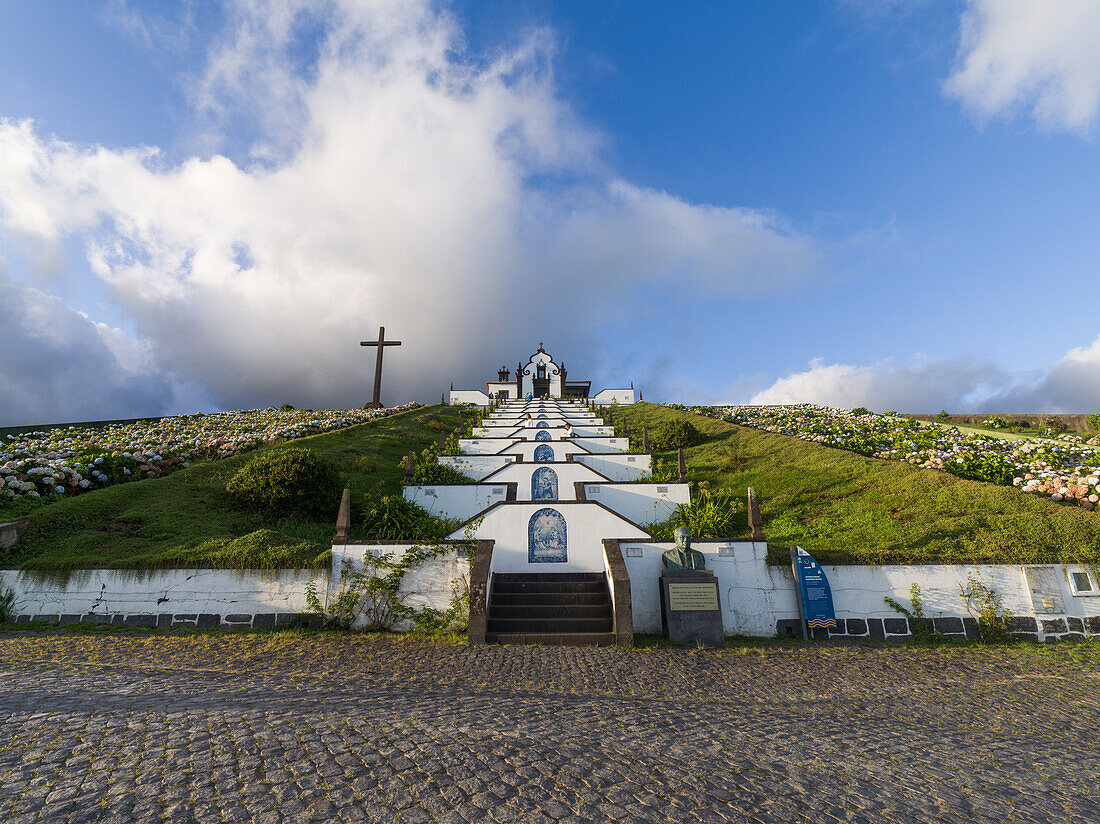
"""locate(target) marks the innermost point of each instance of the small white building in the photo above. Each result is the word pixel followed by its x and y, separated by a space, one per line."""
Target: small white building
pixel 540 377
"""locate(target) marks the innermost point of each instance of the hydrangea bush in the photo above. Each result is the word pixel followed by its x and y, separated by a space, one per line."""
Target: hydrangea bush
pixel 1066 469
pixel 65 462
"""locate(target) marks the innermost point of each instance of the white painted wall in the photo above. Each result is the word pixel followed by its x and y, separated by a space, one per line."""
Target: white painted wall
pixel 601 445
pixel 476 466
pixel 461 501
pixel 607 397
pixel 471 396
pixel 754 595
pixel 640 503
pixel 586 527
pixel 179 591
pixel 430 584
pixel 618 467
pixel 484 446
pixel 568 474
pixel 527 449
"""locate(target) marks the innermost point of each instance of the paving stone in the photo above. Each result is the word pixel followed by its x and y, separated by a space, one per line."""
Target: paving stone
pixel 366 728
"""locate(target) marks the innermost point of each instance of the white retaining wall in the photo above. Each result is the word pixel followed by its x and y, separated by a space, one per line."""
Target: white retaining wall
pixel 216 592
pixel 430 584
pixel 755 597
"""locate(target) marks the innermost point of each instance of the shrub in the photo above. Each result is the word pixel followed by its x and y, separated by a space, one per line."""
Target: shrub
pixel 861 411
pixel 942 415
pixel 287 482
pixel 675 434
pixel 394 517
pixel 982 466
pixel 1094 422
pixel 995 422
pixel 428 470
pixel 711 516
pixel 286 407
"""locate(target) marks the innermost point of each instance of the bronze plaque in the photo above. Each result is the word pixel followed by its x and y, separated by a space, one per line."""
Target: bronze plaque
pixel 692 597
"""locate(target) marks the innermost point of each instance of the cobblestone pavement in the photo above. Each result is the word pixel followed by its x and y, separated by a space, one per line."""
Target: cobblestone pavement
pixel 273 727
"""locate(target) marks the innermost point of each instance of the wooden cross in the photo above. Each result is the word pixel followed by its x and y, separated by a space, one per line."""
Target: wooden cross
pixel 381 343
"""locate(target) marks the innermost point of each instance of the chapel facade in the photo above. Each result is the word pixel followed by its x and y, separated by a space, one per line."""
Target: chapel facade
pixel 540 377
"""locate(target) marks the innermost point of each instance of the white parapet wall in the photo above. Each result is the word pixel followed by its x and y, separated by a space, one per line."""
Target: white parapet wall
pixel 461 501
pixel 617 466
pixel 474 397
pixel 476 466
pixel 434 583
pixel 640 503
pixel 165 597
pixel 607 397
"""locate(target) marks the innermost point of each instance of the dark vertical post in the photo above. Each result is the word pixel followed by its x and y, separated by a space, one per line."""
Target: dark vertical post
pixel 645 440
pixel 378 367
pixel 409 468
pixel 343 518
pixel 681 464
pixel 798 593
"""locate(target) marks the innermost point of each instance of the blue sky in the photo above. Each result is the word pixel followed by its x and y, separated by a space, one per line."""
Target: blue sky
pixel 882 204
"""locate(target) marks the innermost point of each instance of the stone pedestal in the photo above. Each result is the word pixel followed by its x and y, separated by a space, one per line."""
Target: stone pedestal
pixel 690 609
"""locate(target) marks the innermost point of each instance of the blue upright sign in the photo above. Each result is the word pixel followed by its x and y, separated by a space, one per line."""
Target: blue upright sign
pixel 817 598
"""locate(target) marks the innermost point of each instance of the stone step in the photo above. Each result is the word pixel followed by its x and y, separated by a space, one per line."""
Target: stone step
pixel 566 639
pixel 549 576
pixel 511 599
pixel 530 610
pixel 544 626
pixel 540 587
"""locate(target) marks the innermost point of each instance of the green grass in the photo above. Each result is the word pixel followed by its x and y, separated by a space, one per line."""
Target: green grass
pixel 186 519
pixel 847 509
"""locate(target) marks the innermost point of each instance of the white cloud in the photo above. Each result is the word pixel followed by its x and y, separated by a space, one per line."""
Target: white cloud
pixel 1037 54
pixel 1072 384
pixel 397 181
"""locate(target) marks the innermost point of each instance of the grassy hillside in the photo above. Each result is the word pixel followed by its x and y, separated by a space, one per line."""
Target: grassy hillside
pixel 845 508
pixel 185 519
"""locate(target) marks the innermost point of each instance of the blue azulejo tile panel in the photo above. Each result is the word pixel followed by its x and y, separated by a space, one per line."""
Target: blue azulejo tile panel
pixel 542 425
pixel 542 436
pixel 546 537
pixel 544 484
pixel 544 454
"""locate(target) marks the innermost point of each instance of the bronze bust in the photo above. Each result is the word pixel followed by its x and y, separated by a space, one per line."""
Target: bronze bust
pixel 683 558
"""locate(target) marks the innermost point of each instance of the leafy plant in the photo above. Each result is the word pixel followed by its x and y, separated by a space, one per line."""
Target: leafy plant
pixel 919 625
pixel 1094 422
pixel 287 482
pixel 861 411
pixel 987 607
pixel 710 516
pixel 675 434
pixel 7 605
pixel 991 467
pixel 942 415
pixel 428 470
pixel 394 517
